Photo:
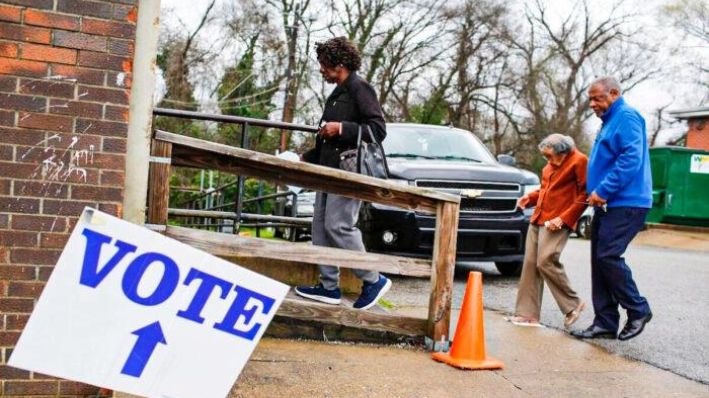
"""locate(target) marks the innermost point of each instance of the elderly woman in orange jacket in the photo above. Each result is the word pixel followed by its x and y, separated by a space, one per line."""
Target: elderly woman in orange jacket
pixel 559 204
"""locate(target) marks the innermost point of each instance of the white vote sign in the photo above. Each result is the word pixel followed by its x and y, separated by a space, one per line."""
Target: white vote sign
pixel 132 310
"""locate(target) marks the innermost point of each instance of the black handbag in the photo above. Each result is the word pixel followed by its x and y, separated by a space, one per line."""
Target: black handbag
pixel 367 158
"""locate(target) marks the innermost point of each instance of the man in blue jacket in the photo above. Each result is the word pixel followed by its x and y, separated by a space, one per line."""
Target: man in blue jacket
pixel 620 187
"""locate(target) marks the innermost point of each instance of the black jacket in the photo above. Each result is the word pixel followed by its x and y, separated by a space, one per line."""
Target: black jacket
pixel 354 104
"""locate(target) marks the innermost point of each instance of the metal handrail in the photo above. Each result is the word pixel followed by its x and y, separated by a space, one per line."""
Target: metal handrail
pixel 245 122
pixel 205 193
pixel 293 221
pixel 233 119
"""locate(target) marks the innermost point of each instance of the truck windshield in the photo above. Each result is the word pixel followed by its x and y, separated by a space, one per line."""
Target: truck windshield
pixel 434 143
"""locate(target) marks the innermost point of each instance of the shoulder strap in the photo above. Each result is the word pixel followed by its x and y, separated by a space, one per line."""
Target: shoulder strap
pixel 359 148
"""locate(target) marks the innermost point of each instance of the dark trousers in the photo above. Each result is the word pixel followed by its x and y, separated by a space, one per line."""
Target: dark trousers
pixel 612 279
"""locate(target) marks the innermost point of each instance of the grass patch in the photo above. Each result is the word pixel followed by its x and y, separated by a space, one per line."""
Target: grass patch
pixel 266 233
pixel 386 304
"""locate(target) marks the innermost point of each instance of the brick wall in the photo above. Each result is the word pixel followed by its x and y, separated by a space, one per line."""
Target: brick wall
pixel 64 88
pixel 698 134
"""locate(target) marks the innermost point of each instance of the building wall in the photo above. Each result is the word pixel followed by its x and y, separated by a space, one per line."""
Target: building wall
pixel 65 76
pixel 698 133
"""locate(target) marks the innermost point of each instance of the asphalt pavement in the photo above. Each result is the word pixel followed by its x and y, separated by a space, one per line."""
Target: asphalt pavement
pixel 668 359
pixel 675 282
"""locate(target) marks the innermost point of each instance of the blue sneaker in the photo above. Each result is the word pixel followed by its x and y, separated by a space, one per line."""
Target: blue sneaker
pixel 372 292
pixel 319 293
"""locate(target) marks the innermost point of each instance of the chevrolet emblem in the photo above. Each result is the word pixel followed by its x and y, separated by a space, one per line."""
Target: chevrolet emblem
pixel 471 193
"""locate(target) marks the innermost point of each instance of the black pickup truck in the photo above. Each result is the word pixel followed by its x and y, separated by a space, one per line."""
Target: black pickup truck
pixel 452 160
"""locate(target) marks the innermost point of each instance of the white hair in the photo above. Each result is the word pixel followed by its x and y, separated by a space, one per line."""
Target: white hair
pixel 608 82
pixel 558 143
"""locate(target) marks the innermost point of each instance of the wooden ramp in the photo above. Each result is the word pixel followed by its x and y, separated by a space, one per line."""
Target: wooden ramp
pixel 175 150
pixel 226 245
pixel 318 318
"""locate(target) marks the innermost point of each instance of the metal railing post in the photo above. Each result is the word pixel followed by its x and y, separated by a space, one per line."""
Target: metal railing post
pixel 240 185
pixel 258 206
pixel 294 213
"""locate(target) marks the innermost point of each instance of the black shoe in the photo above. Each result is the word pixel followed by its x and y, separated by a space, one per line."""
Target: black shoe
pixel 594 332
pixel 319 293
pixel 372 292
pixel 634 327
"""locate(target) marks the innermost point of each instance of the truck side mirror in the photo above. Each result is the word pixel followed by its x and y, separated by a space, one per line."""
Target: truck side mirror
pixel 507 160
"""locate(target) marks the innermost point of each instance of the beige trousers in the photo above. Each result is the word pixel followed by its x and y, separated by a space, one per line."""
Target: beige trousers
pixel 541 264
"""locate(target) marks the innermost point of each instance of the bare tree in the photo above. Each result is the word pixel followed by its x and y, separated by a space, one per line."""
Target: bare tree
pixel 396 39
pixel 474 66
pixel 691 16
pixel 553 66
pixel 178 56
pixel 296 25
pixel 658 123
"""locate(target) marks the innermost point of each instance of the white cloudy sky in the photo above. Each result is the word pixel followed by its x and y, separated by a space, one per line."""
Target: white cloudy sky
pixel 646 97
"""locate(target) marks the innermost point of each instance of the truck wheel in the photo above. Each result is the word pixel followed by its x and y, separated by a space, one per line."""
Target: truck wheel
pixel 509 268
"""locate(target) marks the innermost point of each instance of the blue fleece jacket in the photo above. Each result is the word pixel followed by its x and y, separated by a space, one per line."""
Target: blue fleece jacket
pixel 619 165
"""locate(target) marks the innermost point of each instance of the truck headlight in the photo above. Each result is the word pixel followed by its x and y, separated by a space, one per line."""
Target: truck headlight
pixel 388 237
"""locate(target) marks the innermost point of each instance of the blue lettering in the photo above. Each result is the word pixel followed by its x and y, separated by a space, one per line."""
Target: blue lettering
pixel 238 309
pixel 148 338
pixel 136 270
pixel 90 274
pixel 209 282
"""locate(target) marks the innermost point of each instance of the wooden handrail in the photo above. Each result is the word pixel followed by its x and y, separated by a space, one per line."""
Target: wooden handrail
pixel 192 152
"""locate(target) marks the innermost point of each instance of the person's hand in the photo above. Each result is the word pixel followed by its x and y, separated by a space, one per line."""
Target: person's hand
pixel 523 202
pixel 554 224
pixel 330 129
pixel 596 201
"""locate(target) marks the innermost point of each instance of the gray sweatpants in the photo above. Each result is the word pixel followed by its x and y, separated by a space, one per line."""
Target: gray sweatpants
pixel 334 222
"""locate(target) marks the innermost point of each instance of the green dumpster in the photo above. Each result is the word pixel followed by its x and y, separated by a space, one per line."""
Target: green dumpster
pixel 680 186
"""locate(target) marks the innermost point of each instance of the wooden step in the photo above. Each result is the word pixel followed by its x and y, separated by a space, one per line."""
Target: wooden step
pixel 227 245
pixel 376 318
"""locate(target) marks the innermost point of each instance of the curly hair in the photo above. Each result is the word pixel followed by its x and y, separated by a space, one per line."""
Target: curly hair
pixel 338 51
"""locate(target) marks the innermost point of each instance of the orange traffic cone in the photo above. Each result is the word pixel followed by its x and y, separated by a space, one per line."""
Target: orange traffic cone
pixel 468 350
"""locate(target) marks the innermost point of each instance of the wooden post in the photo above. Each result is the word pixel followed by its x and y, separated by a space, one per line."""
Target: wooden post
pixel 444 248
pixel 159 182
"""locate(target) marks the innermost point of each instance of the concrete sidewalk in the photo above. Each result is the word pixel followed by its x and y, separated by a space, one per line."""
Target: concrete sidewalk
pixel 539 362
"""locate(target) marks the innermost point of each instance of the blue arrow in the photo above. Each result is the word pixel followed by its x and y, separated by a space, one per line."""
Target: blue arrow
pixel 148 338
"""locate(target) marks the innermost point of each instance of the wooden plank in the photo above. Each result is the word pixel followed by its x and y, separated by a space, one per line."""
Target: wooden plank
pixel 444 247
pixel 347 316
pixel 297 274
pixel 159 182
pixel 226 245
pixel 193 152
pixel 283 327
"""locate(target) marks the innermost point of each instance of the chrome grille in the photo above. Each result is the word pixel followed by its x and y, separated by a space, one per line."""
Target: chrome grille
pixel 481 185
pixel 497 197
pixel 488 205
